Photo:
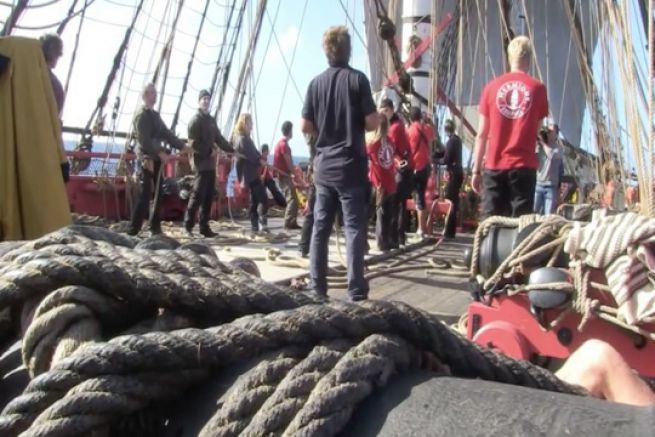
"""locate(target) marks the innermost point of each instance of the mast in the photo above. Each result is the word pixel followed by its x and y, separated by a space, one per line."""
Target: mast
pixel 417 25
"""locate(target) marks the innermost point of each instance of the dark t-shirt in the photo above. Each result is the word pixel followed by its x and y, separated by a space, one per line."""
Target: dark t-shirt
pixel 337 102
pixel 453 157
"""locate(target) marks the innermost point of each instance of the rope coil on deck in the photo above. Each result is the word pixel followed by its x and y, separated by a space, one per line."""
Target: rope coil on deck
pixel 86 286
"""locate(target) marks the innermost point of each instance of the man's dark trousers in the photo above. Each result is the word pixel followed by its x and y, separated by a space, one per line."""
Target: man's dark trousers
pixel 308 223
pixel 508 193
pixel 384 209
pixel 147 180
pixel 404 186
pixel 353 200
pixel 204 187
pixel 452 193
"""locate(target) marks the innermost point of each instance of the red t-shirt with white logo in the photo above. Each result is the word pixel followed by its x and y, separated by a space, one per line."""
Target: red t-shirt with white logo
pixel 514 103
pixel 381 172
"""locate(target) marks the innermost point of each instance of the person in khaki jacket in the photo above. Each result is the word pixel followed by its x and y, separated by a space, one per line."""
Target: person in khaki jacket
pixel 150 132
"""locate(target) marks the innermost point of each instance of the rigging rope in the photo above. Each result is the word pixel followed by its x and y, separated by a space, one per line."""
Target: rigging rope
pixel 189 65
pixel 228 68
pixel 102 101
pixel 286 82
pixel 76 46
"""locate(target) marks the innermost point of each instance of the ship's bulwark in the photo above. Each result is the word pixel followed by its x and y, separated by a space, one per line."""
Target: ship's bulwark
pixel 33 198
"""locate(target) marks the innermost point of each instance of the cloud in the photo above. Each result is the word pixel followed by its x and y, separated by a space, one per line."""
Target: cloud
pixel 288 40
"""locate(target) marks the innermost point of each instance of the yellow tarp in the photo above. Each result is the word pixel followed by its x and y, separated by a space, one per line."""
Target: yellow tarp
pixel 33 197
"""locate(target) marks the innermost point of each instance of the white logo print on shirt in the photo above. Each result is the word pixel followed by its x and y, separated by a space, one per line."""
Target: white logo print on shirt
pixel 513 99
pixel 385 155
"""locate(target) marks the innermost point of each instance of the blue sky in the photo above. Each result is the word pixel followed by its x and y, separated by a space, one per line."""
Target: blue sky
pixel 105 25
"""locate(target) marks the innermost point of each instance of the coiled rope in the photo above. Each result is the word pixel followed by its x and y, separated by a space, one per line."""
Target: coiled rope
pixel 85 286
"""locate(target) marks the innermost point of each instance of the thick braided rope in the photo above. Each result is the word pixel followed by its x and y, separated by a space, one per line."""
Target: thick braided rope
pixel 189 279
pixel 67 318
pixel 292 392
pixel 131 357
pixel 356 375
pixel 208 294
pixel 248 394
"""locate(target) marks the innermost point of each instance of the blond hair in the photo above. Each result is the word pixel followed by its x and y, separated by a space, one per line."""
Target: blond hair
pixel 380 132
pixel 336 45
pixel 519 50
pixel 242 121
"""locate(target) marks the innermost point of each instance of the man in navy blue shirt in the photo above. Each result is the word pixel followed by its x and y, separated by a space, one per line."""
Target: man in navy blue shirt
pixel 338 109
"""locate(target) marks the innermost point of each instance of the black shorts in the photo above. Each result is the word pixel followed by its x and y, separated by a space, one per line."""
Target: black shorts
pixel 509 193
pixel 420 183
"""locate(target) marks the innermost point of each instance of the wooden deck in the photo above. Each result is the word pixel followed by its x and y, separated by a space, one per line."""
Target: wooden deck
pixel 443 295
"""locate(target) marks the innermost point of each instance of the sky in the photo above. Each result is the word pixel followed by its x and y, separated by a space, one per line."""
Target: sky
pixel 274 101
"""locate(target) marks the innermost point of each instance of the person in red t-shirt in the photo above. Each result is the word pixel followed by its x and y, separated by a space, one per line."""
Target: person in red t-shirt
pixel 420 136
pixel 512 107
pixel 404 170
pixel 283 164
pixel 266 175
pixel 381 173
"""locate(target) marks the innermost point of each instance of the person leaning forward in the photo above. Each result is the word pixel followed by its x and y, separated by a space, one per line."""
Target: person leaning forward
pixel 205 139
pixel 338 108
pixel 150 131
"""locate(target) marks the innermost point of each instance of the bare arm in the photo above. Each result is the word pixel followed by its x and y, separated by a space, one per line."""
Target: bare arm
pixel 480 144
pixel 307 126
pixel 480 151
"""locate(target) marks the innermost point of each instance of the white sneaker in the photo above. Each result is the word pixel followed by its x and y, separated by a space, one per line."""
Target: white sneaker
pixel 419 234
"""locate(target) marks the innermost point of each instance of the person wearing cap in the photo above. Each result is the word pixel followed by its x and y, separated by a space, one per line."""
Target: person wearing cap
pixel 404 169
pixel 452 159
pixel 549 172
pixel 150 132
pixel 205 139
pixel 420 137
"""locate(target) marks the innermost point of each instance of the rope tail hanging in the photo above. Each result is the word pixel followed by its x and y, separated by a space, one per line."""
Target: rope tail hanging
pixel 185 84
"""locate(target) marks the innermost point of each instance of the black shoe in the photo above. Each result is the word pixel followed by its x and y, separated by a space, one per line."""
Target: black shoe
pixel 292 227
pixel 188 232
pixel 156 231
pixel 133 232
pixel 208 233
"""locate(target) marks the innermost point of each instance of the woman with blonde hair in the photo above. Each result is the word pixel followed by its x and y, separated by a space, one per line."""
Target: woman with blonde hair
pixel 382 174
pixel 249 160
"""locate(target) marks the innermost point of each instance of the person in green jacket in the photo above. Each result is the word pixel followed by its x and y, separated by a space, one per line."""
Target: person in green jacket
pixel 204 139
